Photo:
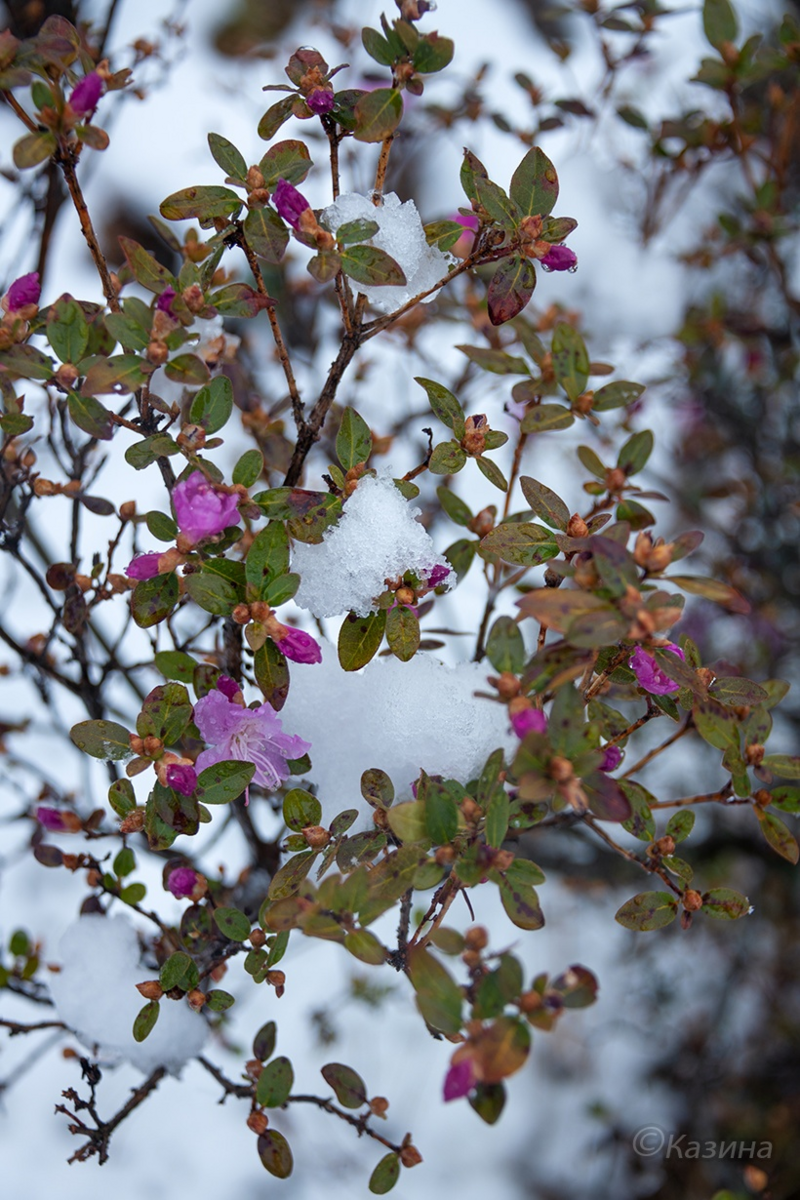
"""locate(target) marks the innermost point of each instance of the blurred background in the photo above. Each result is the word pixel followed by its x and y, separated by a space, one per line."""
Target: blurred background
pixel 689 282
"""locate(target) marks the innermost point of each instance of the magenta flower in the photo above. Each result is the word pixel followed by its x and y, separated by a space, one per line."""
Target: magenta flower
pixel 181 778
pixel 24 290
pixel 612 757
pixel 203 509
pixel 649 675
pixel 229 687
pixel 253 735
pixel 459 1080
pixel 164 301
pixel 57 821
pixel 560 258
pixel 143 566
pixel 290 203
pixel 300 647
pixel 321 101
pixel 182 882
pixel 86 94
pixel 529 720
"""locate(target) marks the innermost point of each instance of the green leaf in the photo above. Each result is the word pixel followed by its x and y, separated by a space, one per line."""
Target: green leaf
pixel 497 204
pixel 634 454
pixel 179 971
pixel 432 53
pixel 680 825
pixel 272 674
pixel 91 416
pixel 377 114
pixel 521 904
pixel 443 235
pixel 497 814
pixel 300 809
pixel 188 369
pixel 102 739
pixel 219 1001
pixel 719 22
pixel 364 946
pixel 441 814
pixel 647 911
pixel 275 1083
pixel 354 440
pixel 534 184
pixel 488 1100
pixel 544 417
pixel 444 405
pixel 232 923
pixel 166 712
pixel 266 234
pixel 211 592
pixel 725 904
pixel 377 47
pixel 248 468
pixel 778 836
pixel 27 362
pixel 786 766
pixel 275 1154
pixel 524 545
pixel 454 506
pixel 145 1020
pixel 124 862
pixel 377 788
pixel 224 781
pixel 496 361
pixel 287 160
pixel 616 395
pixel 145 269
pixel 385 1175
pixel 510 288
pixel 472 169
pixel 402 632
pixel 447 459
pixel 33 149
pixel 505 647
pixel 371 266
pixel 275 116
pixel 120 374
pixel 352 232
pixel 264 1042
pixel 213 404
pixel 228 157
pixel 359 639
pixel 350 1089
pixel 545 503
pixel 142 454
pixel 570 360
pixel 67 329
pixel 204 204
pixel 711 589
pixel 122 797
pixel 268 556
pixel 288 878
pixel 439 997
pixel 490 470
pixel 461 554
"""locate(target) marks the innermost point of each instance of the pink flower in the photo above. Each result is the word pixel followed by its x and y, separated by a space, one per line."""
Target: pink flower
pixel 182 882
pixel 24 290
pixel 253 735
pixel 86 94
pixel 529 720
pixel 290 203
pixel 57 821
pixel 612 757
pixel 143 566
pixel 203 509
pixel 459 1080
pixel 650 676
pixel 300 647
pixel 164 301
pixel 560 258
pixel 181 778
pixel 321 100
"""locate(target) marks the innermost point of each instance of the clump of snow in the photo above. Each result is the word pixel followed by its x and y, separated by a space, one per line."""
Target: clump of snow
pixel 95 995
pixel 377 538
pixel 401 235
pixel 401 717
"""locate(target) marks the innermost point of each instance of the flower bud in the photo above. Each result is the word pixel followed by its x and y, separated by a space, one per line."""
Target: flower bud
pixel 254 179
pixel 530 1001
pixel 410 1156
pixel 241 614
pixel 153 746
pixel 127 510
pixel 665 845
pixel 615 480
pixel 471 959
pixel 196 998
pixel 444 855
pixel 258 1122
pixel 66 376
pixel 378 1106
pixel 561 769
pixel 193 298
pixel 502 860
pixel 577 527
pixel 477 938
pixel 151 989
pixel 692 900
pixel 316 836
pixel 507 685
pixel 136 743
pixel 472 811
pixel 157 353
pixel 257 938
pixel 405 595
pixel 754 754
pixel 134 822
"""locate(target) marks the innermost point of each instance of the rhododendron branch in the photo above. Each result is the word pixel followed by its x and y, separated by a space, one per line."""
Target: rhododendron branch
pixel 277 336
pixel 617 660
pixel 646 865
pixel 723 796
pixel 14 1027
pixel 13 103
pixel 310 429
pixel 66 161
pixel 652 711
pixel 383 165
pixel 359 1123
pixel 100 1136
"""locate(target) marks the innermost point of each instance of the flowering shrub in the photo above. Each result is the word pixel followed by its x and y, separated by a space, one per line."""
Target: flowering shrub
pixel 567 691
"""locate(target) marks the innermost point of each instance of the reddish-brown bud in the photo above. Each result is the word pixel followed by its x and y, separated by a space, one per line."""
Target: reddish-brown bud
pixel 472 811
pixel 530 1001
pixel 665 845
pixel 444 855
pixel 615 480
pixel 471 959
pixel 561 769
pixel 405 595
pixel 379 1106
pixel 193 298
pixel 66 376
pixel 127 510
pixel 134 822
pixel 260 611
pixel 196 998
pixel 692 901
pixel 258 1122
pixel 507 685
pixel 136 743
pixel 477 938
pixel 410 1156
pixel 257 938
pixel 157 353
pixel 316 836
pixel 153 746
pixel 502 859
pixel 754 754
pixel 241 614
pixel 151 989
pixel 577 527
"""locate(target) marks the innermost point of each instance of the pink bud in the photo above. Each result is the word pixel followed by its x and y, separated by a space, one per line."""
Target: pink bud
pixel 560 258
pixel 229 687
pixel 164 301
pixel 143 566
pixel 459 1080
pixel 612 757
pixel 298 646
pixel 437 576
pixel 58 821
pixel 649 675
pixel 181 778
pixel 529 720
pixel 320 101
pixel 86 94
pixel 290 203
pixel 24 290
pixel 182 882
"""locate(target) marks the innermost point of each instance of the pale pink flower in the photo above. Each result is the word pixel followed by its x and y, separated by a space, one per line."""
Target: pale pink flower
pixel 649 675
pixel 182 882
pixel 253 735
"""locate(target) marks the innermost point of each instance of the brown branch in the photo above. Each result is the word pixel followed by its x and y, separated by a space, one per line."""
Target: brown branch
pixel 309 431
pixel 646 865
pixel 280 345
pixel 66 161
pixel 13 103
pixel 14 1027
pixel 383 165
pixel 100 1136
pixel 359 1123
pixel 242 1091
